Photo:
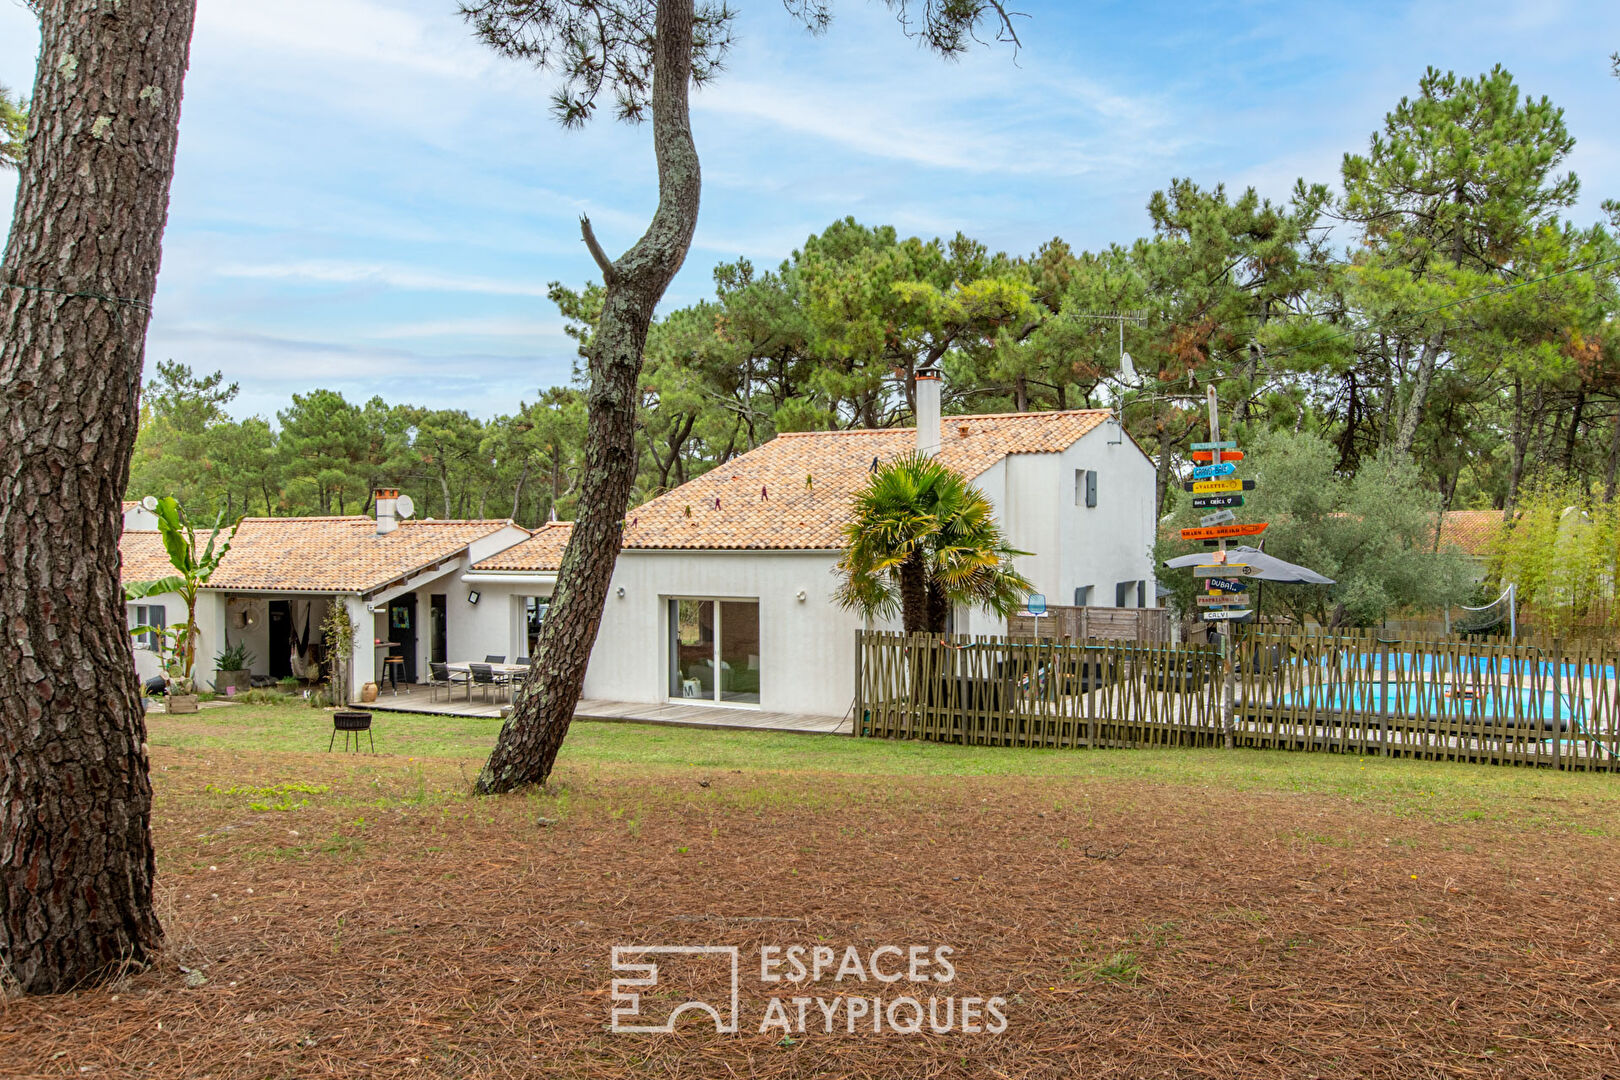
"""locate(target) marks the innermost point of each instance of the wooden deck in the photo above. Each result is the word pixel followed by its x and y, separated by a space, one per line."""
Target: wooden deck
pixel 416 699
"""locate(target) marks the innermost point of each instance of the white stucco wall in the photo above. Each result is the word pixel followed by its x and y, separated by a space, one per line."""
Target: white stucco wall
pixel 1073 545
pixel 1113 541
pixel 493 626
pixel 209 639
pixel 807 648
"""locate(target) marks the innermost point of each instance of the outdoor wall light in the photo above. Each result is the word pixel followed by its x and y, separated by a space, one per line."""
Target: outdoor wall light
pixel 621 592
pixel 472 596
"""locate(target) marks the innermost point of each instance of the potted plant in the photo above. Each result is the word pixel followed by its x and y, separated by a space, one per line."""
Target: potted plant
pixel 234 667
pixel 193 568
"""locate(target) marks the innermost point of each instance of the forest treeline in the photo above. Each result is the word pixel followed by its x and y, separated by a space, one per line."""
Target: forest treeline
pixel 1435 303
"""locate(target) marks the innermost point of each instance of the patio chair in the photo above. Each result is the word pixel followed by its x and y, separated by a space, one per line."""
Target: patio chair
pixel 493 659
pixel 485 677
pixel 444 677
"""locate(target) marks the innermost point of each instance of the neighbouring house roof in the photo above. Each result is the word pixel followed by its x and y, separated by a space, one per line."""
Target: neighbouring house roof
pixel 794 492
pixel 144 558
pixel 1472 532
pixel 542 551
pixel 317 554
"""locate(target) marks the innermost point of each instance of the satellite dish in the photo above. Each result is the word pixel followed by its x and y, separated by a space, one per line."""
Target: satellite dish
pixel 150 502
pixel 1127 367
pixel 404 507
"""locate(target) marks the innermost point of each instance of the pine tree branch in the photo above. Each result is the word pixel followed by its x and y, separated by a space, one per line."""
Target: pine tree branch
pixel 609 274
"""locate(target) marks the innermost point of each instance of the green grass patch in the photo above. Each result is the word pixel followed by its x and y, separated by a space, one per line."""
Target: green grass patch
pixel 1438 791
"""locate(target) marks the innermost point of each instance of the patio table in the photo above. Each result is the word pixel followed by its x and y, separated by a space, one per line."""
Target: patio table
pixel 464 667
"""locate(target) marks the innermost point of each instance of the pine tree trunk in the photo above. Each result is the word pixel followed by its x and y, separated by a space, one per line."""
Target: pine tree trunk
pixel 1613 473
pixel 1406 434
pixel 529 740
pixel 76 859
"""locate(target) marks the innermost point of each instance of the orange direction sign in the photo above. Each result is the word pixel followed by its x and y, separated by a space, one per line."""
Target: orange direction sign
pixel 1221 532
pixel 1209 455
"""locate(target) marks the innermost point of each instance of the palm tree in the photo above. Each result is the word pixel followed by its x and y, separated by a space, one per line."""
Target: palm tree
pixel 920 539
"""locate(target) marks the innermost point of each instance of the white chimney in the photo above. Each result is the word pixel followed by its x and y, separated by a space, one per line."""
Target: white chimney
pixel 386 522
pixel 927 391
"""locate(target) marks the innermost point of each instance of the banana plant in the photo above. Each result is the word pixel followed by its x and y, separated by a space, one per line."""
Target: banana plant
pixel 192 572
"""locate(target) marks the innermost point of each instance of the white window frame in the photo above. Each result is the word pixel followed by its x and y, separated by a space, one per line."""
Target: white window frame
pixel 667 602
pixel 140 615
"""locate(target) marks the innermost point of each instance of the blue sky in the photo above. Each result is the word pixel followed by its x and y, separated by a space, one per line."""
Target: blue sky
pixel 367 200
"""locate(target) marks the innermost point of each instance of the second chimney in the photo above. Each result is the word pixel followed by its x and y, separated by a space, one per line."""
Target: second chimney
pixel 927 392
pixel 386 522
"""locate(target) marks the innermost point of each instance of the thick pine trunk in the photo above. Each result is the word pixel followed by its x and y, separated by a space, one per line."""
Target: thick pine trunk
pixel 529 740
pixel 76 860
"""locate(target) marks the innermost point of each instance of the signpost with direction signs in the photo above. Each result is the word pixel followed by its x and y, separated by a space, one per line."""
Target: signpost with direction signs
pixel 1225 597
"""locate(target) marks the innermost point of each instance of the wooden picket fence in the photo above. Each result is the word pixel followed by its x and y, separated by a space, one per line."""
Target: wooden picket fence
pixel 996 692
pixel 1433 698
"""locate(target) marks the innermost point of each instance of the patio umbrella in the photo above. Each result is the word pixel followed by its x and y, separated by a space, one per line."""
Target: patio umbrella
pixel 1270 567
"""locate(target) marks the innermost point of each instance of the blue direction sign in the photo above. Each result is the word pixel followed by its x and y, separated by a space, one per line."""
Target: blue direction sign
pixel 1209 472
pixel 1217 584
pixel 1214 446
pixel 1036 604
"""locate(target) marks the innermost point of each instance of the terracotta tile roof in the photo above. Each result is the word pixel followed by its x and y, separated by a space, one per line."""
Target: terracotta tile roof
pixel 541 551
pixel 143 557
pixel 1470 531
pixel 761 500
pixel 338 554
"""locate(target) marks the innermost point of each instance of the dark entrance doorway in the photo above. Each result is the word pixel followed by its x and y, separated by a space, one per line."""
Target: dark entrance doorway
pixel 402 631
pixel 280 639
pixel 438 618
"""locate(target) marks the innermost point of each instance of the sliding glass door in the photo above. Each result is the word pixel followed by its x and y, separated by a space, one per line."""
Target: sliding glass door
pixel 714 650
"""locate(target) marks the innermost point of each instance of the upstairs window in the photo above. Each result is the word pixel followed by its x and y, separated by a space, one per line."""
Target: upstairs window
pixel 1085 487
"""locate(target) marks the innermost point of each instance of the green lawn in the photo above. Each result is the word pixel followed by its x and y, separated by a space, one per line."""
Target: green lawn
pixel 1437 790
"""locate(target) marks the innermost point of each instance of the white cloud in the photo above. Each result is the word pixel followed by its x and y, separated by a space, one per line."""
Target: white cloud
pixel 341 272
pixel 471 327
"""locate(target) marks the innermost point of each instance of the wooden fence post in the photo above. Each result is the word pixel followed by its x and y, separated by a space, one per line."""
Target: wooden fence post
pixel 1383 695
pixel 860 698
pixel 1558 687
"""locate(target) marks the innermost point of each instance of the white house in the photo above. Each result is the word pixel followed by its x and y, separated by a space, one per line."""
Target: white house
pixel 274 588
pixel 723 591
pixel 732 573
